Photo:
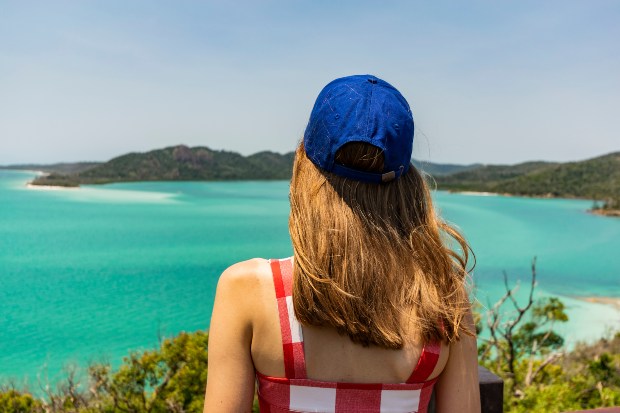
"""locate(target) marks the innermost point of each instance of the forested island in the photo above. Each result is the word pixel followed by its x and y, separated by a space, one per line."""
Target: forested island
pixel 597 178
pixel 176 163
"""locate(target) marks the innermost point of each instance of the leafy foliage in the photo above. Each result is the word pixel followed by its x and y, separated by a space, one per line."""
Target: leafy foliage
pixel 13 401
pixel 169 379
pixel 527 353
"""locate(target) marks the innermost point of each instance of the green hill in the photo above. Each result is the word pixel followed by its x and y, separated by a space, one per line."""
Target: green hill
pixel 188 164
pixel 596 178
pixel 486 177
pixel 179 163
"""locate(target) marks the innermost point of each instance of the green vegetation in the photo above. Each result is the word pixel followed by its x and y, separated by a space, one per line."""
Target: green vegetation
pixel 13 401
pixel 597 178
pixel 169 379
pixel 488 177
pixel 180 163
pixel 56 179
pixel 528 354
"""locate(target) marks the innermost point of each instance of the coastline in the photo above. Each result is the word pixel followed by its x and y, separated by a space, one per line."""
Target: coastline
pixel 508 194
pixel 614 213
pixel 605 212
pixel 589 318
pixel 50 187
pixel 475 193
pixel 42 174
pixel 609 301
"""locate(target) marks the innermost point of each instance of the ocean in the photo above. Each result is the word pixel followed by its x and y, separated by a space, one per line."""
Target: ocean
pixel 93 273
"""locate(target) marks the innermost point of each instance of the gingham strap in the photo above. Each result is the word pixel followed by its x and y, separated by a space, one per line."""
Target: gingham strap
pixel 292 338
pixel 426 363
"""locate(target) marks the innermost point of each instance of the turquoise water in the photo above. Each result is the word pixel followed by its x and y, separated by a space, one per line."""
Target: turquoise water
pixel 92 273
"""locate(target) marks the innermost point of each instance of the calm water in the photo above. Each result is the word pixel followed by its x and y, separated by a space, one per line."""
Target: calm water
pixel 93 273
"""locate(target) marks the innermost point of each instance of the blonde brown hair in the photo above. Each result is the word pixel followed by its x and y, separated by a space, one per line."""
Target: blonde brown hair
pixel 372 257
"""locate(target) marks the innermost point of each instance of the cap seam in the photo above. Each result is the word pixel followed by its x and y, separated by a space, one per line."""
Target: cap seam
pixel 372 89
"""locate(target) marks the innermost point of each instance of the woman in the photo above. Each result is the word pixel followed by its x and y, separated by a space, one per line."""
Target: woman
pixel 371 313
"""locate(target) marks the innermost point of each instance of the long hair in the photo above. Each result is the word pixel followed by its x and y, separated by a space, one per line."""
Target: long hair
pixel 370 258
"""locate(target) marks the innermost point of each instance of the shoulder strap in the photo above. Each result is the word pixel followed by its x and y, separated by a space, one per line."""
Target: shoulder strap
pixel 292 338
pixel 426 363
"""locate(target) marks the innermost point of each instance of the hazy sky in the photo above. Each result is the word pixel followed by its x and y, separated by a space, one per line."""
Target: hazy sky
pixel 488 81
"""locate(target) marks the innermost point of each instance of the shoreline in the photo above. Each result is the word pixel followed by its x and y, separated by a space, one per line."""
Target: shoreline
pixel 50 187
pixel 508 194
pixel 614 213
pixel 609 301
pixel 475 193
pixel 605 212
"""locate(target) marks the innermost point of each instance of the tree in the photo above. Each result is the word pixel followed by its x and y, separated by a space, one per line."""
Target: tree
pixel 171 379
pixel 529 333
pixel 13 401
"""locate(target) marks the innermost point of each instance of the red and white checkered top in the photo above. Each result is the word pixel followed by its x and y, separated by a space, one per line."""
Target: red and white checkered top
pixel 297 393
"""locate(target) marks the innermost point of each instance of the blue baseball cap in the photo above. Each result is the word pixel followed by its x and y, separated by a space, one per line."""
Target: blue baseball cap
pixel 360 108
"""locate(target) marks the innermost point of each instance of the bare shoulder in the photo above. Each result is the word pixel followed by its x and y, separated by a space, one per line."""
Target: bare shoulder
pixel 245 274
pixel 243 286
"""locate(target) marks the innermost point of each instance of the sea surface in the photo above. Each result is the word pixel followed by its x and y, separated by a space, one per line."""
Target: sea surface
pixel 93 273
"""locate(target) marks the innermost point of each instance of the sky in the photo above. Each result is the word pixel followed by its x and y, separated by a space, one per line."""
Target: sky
pixel 487 81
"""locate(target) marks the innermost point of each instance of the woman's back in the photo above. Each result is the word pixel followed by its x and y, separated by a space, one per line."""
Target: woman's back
pixel 330 356
pixel 246 315
pixel 374 281
pixel 344 377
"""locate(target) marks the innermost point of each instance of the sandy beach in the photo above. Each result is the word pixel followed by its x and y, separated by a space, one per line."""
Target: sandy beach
pixel 612 301
pixel 606 212
pixel 475 193
pixel 590 318
pixel 50 187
